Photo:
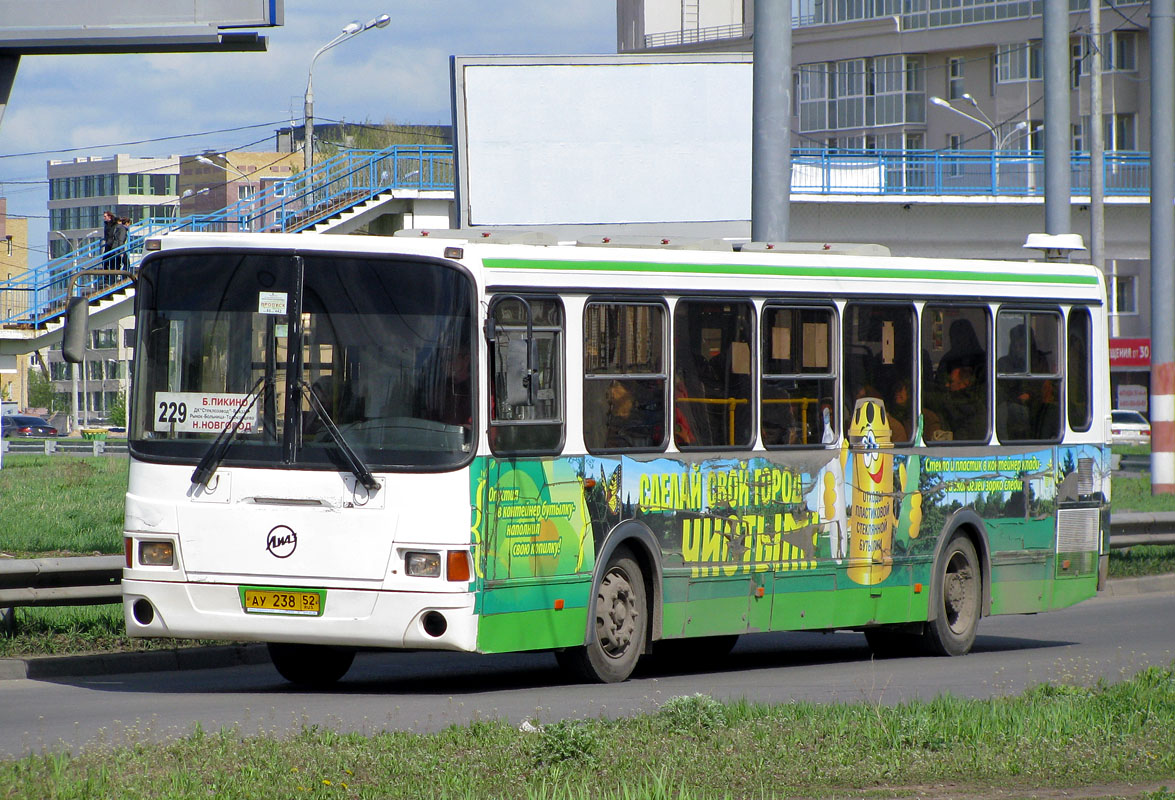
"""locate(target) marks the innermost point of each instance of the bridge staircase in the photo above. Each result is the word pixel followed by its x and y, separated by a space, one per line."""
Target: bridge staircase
pixel 335 196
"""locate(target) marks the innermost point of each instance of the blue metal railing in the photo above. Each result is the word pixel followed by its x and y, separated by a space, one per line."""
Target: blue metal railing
pixel 955 172
pixel 350 177
pixel 354 176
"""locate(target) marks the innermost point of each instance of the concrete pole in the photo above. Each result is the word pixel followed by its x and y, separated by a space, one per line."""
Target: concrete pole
pixel 1162 41
pixel 771 123
pixel 1097 150
pixel 1056 117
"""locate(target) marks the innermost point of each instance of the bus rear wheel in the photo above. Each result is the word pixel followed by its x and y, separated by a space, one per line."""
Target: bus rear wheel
pixel 621 622
pixel 313 666
pixel 952 631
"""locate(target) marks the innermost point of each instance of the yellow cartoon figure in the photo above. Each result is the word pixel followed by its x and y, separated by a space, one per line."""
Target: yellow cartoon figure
pixel 872 519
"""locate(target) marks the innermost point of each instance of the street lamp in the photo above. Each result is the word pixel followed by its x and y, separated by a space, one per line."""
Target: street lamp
pixel 225 166
pixel 351 30
pixel 998 140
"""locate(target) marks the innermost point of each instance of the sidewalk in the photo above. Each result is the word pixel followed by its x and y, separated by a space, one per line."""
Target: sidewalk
pixel 47 667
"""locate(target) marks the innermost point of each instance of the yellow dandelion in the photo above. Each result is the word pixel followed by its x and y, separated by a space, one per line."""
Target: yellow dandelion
pixel 324 780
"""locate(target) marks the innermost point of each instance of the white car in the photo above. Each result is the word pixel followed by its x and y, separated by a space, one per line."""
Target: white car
pixel 1129 427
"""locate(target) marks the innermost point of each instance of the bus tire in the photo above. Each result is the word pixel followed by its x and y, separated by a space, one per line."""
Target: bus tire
pixel 960 599
pixel 313 666
pixel 621 623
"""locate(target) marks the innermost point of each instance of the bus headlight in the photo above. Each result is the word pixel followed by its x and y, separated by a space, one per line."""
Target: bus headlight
pixel 156 554
pixel 423 565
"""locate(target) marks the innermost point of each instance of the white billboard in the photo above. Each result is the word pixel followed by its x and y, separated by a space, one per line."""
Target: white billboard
pixel 602 139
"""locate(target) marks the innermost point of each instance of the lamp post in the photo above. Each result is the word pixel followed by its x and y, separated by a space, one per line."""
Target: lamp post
pixel 351 30
pixel 998 140
pixel 226 167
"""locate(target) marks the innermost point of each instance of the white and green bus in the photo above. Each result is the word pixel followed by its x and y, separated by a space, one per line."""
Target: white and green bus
pixel 603 449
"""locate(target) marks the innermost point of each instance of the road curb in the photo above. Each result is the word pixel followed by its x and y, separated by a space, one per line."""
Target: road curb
pixel 1129 587
pixel 47 667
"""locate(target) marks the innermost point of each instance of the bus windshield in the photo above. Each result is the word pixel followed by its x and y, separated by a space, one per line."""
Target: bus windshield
pixel 385 348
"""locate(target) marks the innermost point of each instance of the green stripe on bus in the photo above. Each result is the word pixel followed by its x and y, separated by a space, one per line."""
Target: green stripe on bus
pixel 907 273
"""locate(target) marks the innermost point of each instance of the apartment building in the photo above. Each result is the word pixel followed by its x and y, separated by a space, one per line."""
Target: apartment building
pixel 941 75
pixel 80 189
pixel 865 71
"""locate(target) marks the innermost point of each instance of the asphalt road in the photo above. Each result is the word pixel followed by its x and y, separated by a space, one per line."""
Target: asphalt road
pixel 1110 637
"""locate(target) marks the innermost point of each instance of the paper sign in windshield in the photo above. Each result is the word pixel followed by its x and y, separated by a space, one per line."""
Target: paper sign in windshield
pixel 271 302
pixel 195 412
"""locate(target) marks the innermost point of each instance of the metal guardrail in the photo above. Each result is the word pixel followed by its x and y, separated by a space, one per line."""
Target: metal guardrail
pixel 77 581
pixel 72 447
pixel 96 580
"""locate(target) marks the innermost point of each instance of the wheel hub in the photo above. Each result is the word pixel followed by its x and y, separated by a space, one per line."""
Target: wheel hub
pixel 616 618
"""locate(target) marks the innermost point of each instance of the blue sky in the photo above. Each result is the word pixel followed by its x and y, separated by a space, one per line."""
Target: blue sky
pixel 398 74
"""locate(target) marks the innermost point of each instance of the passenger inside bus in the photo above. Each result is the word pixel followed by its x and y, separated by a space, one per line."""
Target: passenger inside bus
pixel 630 421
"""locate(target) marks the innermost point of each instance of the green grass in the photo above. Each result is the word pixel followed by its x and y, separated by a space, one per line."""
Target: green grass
pixel 1103 740
pixel 74 630
pixel 1136 562
pixel 1134 494
pixel 62 505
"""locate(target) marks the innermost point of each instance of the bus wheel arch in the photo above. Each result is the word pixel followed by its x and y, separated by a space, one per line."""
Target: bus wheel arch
pixel 964 522
pixel 627 577
pixel 960 593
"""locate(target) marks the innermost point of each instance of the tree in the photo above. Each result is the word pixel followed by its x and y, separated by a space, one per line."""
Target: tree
pixel 41 394
pixel 117 411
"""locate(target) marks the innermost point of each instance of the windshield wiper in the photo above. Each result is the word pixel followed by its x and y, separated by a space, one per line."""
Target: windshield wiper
pixel 358 468
pixel 211 460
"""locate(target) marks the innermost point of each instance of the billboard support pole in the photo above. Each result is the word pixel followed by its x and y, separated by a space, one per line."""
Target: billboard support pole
pixel 771 125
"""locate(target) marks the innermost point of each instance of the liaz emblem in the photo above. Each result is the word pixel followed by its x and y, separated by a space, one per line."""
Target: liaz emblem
pixel 281 542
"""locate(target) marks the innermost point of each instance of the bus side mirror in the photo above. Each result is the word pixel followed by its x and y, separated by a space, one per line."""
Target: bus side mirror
pixel 73 339
pixel 519 386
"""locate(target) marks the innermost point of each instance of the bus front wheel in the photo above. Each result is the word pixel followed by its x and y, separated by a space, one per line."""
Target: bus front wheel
pixel 621 621
pixel 952 631
pixel 313 666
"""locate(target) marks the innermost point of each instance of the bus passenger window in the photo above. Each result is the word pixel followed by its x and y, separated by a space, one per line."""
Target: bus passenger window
pixel 712 345
pixel 1078 377
pixel 1028 382
pixel 955 405
pixel 878 356
pixel 624 378
pixel 515 425
pixel 799 377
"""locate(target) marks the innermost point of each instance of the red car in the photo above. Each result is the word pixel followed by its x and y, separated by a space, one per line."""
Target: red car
pixel 20 425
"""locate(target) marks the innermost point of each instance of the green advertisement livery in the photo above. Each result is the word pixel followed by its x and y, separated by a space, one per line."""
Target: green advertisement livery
pixel 838 538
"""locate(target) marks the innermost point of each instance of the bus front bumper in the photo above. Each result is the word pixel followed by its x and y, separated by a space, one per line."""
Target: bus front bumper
pixel 349 617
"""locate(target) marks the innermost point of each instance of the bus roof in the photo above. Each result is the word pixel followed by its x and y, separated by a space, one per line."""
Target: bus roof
pixel 502 261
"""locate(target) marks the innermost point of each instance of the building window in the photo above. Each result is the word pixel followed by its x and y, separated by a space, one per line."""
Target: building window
pixel 1018 62
pixel 849 94
pixel 956 86
pixel 1118 51
pixel 1121 133
pixel 1125 298
pixel 136 184
pixel 813 96
pixel 954 144
pixel 1077 137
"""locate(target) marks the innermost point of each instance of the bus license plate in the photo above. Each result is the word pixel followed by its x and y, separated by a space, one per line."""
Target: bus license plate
pixel 301 602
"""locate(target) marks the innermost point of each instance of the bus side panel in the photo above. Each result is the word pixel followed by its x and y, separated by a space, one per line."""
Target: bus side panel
pixel 536 552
